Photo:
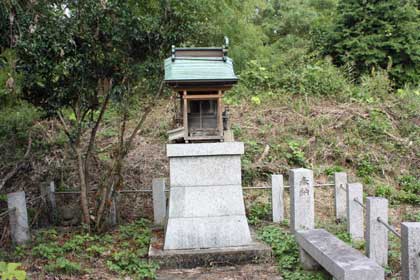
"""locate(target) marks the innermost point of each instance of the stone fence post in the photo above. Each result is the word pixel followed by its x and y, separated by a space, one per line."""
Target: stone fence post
pixel 277 190
pixel 355 211
pixel 376 232
pixel 159 201
pixel 48 192
pixel 302 211
pixel 340 202
pixel 410 251
pixel 18 215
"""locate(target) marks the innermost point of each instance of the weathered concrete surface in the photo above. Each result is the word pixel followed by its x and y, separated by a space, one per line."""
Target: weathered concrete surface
pixel 340 198
pixel 339 259
pixel 264 271
pixel 204 149
pixel 18 217
pixel 159 201
pixel 302 211
pixel 207 232
pixel 205 170
pixel 206 207
pixel 307 262
pixel 376 232
pixel 355 225
pixel 277 190
pixel 253 252
pixel 213 201
pixel 410 251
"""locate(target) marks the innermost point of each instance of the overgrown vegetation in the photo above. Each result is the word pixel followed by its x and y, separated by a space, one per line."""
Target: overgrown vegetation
pixel 286 252
pixel 123 252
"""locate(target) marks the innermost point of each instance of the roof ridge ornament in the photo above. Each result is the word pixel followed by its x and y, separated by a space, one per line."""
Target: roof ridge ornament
pixel 225 48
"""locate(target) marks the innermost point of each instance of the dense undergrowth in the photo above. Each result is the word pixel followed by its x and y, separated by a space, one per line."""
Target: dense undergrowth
pixel 122 252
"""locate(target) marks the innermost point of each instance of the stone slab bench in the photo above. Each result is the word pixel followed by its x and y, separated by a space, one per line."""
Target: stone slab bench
pixel 342 261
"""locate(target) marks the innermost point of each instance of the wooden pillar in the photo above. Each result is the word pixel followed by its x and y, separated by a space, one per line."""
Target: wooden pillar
pixel 220 113
pixel 185 115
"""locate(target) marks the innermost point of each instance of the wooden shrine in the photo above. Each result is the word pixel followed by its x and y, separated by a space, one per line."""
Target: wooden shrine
pixel 199 78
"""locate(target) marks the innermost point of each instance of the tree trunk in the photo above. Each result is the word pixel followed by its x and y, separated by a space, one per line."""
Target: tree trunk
pixel 83 191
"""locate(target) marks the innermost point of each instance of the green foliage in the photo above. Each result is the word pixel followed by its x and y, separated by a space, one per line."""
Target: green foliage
pixel 412 217
pixel 385 191
pixel 365 168
pixel 78 242
pixel 62 265
pixel 296 156
pixel 410 184
pixel 286 252
pixel 16 122
pixel 129 259
pixel 126 262
pixel 381 34
pixel 11 271
pixel 48 251
pixel 333 169
pixel 258 212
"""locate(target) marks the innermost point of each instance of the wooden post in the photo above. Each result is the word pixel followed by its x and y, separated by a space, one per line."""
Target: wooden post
pixel 185 115
pixel 220 114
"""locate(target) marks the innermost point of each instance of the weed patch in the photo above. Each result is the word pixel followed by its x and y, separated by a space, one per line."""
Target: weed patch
pixel 286 252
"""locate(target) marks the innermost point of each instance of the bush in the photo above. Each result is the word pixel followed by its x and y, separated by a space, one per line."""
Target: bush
pixel 258 211
pixel 16 122
pixel 385 191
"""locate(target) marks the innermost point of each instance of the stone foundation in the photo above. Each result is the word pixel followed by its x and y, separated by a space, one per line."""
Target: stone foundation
pixel 206 206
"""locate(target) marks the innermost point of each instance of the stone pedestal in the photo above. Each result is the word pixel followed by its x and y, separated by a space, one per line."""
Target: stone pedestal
pixel 206 206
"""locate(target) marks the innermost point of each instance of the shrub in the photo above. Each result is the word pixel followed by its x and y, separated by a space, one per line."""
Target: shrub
pixel 16 121
pixel 385 191
pixel 258 211
pixel 296 156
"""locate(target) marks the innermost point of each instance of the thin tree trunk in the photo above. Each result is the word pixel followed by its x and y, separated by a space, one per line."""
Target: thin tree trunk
pixel 115 182
pixel 83 190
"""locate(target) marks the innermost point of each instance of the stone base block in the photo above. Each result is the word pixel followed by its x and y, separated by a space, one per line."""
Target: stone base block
pixel 254 252
pixel 206 232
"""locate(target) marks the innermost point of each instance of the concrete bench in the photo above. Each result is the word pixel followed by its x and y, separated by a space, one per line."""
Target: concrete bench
pixel 319 247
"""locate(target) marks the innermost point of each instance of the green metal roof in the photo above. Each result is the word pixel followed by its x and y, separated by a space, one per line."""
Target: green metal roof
pixel 199 69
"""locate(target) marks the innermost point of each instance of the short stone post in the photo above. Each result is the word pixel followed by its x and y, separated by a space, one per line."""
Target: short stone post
pixel 277 189
pixel 410 251
pixel 48 193
pixel 376 232
pixel 159 201
pixel 18 215
pixel 355 211
pixel 340 197
pixel 302 211
pixel 113 210
pixel 302 208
